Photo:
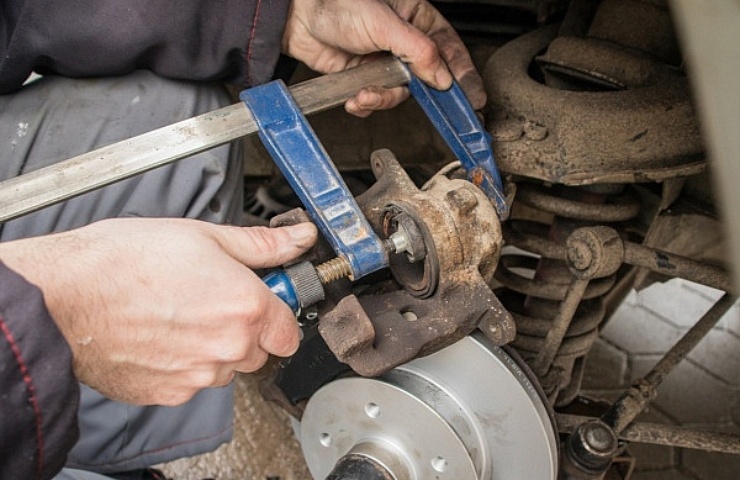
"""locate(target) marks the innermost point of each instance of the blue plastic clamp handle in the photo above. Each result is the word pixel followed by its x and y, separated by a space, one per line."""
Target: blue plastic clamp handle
pixel 454 118
pixel 308 169
pixel 282 285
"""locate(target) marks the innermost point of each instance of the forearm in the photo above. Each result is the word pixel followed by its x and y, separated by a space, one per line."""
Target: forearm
pixel 230 40
pixel 39 393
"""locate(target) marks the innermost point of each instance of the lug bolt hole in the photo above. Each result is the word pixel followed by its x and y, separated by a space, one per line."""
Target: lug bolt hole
pixel 372 410
pixel 439 464
pixel 325 439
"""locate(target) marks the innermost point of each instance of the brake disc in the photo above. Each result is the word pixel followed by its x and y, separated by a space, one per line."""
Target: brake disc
pixel 467 412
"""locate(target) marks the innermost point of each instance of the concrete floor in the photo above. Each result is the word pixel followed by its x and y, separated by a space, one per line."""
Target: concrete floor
pixel 703 392
pixel 263 447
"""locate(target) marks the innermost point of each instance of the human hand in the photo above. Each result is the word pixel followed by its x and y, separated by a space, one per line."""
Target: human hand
pixel 332 35
pixel 155 310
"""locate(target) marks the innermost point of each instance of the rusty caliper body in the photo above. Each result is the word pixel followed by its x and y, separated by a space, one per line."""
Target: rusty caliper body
pixel 456 242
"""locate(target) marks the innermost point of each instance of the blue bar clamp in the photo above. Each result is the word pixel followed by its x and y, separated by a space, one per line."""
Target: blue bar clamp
pixel 306 166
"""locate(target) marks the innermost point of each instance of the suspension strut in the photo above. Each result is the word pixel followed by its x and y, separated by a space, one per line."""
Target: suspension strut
pixel 558 314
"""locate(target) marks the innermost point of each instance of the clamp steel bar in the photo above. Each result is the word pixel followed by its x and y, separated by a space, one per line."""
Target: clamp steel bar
pixel 449 111
pixel 118 161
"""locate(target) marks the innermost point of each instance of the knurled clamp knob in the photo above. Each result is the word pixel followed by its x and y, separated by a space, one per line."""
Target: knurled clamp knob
pixel 308 286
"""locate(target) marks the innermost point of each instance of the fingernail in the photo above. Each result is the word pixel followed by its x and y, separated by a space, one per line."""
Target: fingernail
pixel 351 105
pixel 443 78
pixel 302 231
pixel 369 100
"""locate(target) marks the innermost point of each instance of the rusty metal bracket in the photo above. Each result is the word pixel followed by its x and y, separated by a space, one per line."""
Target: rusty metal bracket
pixel 446 294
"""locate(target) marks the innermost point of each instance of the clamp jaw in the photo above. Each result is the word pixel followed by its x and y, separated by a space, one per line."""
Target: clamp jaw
pixel 456 121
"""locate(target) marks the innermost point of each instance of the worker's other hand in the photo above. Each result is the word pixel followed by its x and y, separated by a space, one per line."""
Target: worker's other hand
pixel 332 35
pixel 157 309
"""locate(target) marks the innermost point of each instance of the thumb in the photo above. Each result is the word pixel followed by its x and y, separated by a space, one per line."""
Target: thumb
pixel 261 247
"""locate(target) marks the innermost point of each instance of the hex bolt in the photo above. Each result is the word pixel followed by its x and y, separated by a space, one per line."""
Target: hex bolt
pixel 463 199
pixel 406 237
pixel 600 438
pixel 593 446
pixel 398 242
pixel 579 255
pixel 594 252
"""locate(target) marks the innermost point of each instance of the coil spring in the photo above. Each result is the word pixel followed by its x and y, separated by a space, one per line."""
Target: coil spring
pixel 535 277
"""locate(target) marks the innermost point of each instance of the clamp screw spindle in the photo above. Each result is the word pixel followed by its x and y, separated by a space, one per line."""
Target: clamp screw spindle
pixel 333 269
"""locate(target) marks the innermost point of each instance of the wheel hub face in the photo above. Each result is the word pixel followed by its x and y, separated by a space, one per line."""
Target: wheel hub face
pixel 466 412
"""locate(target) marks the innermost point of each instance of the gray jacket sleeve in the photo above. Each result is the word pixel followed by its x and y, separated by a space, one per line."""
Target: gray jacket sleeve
pixel 235 41
pixel 39 394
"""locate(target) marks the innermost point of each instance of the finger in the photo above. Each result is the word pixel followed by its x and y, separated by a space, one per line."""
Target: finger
pixel 256 360
pixel 216 376
pixel 393 33
pixel 472 85
pixel 279 334
pixel 461 65
pixel 167 391
pixel 371 99
pixel 427 19
pixel 225 377
pixel 168 398
pixel 261 247
pixel 274 325
pixel 422 56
